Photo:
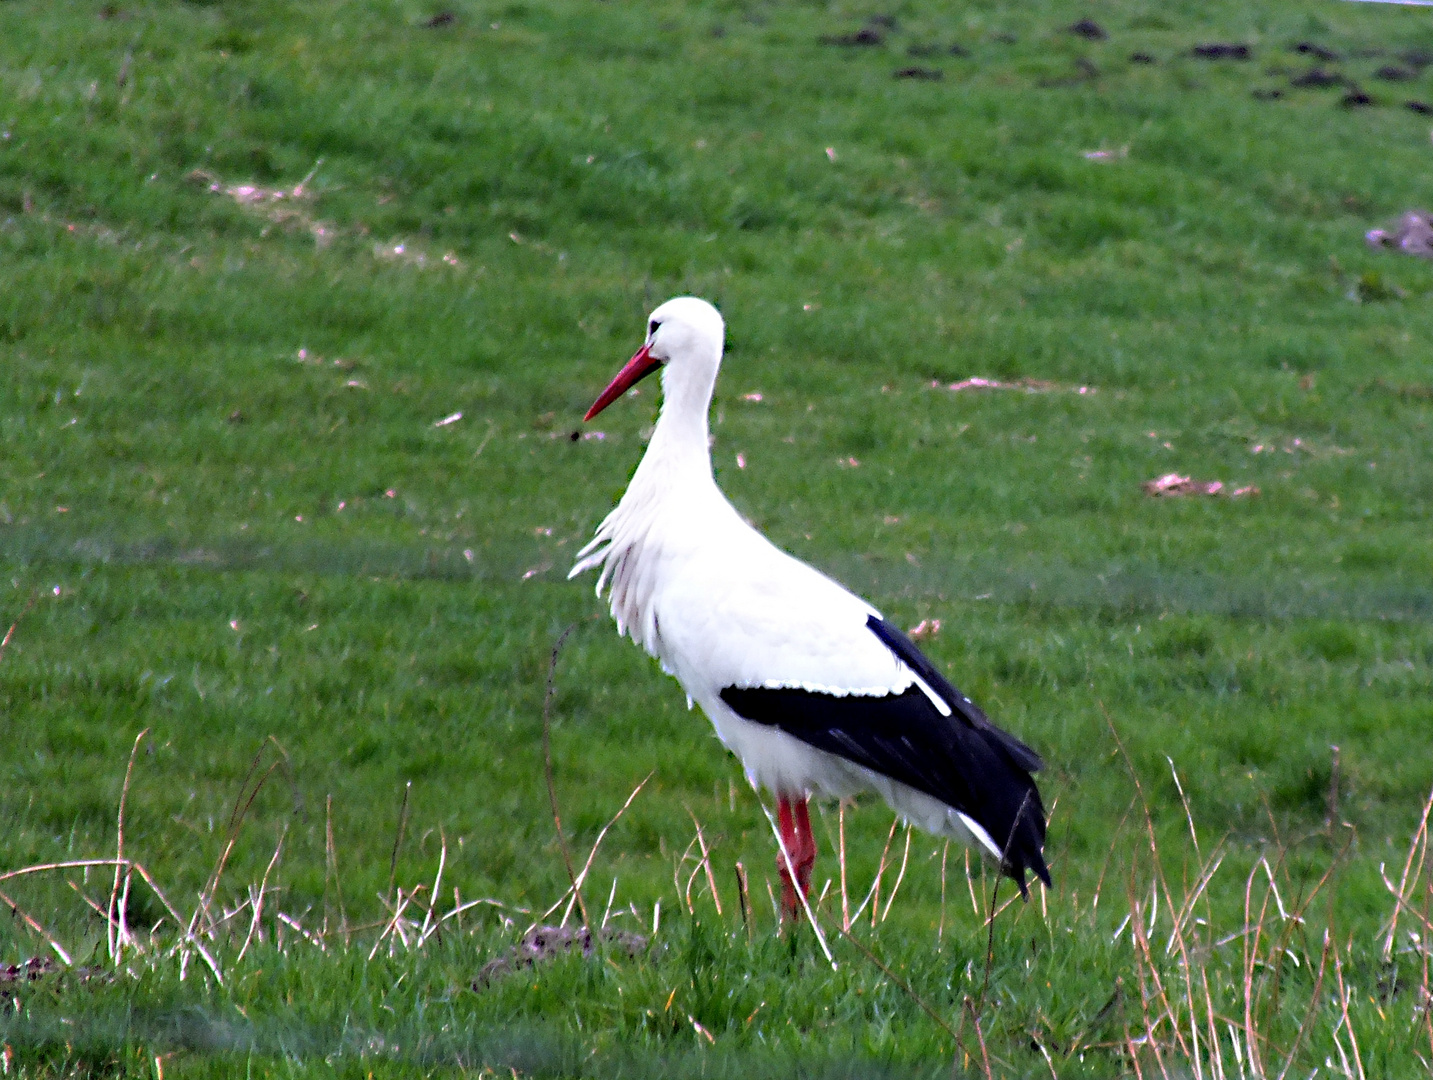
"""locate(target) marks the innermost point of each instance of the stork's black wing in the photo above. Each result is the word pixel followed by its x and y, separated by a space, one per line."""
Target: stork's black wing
pixel 963 759
pixel 1020 754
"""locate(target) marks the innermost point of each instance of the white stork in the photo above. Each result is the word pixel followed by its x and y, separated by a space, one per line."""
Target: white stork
pixel 806 683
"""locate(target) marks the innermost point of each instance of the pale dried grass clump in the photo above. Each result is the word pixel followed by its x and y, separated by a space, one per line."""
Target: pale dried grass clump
pixel 411 916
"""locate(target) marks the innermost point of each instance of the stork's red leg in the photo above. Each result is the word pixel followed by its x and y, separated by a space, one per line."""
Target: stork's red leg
pixel 790 842
pixel 805 857
pixel 795 821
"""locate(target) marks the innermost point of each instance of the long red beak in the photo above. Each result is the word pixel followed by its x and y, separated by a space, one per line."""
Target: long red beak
pixel 637 369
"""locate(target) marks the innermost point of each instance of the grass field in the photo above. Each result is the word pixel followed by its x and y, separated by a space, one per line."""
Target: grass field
pixel 253 252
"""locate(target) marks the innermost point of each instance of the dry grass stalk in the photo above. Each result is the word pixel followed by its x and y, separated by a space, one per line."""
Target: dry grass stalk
pixel 398 838
pixel 1418 847
pixel 256 899
pixel 996 912
pixel 703 1032
pixel 705 862
pixel 1140 934
pixel 980 1039
pixel 28 920
pixel 684 896
pixel 1184 801
pixel 1426 953
pixel 237 816
pixel 394 926
pixel 1132 1049
pixel 429 924
pixel 901 876
pixel 460 906
pixel 940 928
pixel 1297 920
pixel 1147 974
pixel 11 632
pixel 1312 1010
pixel 566 897
pixel 1250 960
pixel 1333 814
pixel 211 921
pixel 1193 1017
pixel 126 866
pixel 1157 865
pixel 221 924
pixel 67 864
pixel 116 933
pixel 743 895
pixel 316 940
pixel 1109 854
pixel 875 890
pixel 592 854
pixel 1186 910
pixel 1345 1022
pixel 547 773
pixel 90 903
pixel 1216 1048
pixel 1274 885
pixel 189 939
pixel 687 893
pixel 607 911
pixel 1177 937
pixel 1049 1062
pixel 330 854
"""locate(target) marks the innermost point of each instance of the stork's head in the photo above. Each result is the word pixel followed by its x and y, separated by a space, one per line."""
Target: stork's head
pixel 684 336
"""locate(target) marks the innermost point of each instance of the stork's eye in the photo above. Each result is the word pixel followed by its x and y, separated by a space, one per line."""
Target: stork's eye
pixel 652 327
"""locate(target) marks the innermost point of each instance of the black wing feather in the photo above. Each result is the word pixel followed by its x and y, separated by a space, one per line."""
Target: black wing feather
pixel 963 760
pixel 916 660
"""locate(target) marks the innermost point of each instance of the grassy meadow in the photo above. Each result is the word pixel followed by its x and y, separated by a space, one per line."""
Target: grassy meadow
pixel 256 257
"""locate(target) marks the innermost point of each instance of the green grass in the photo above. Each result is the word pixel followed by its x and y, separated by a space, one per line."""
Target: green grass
pixel 228 516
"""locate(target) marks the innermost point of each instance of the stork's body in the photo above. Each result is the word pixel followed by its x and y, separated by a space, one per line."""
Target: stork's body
pixel 805 682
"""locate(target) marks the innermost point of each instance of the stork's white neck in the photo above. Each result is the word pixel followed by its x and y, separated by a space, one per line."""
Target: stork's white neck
pixel 680 450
